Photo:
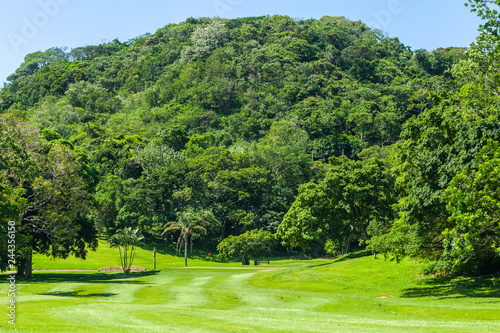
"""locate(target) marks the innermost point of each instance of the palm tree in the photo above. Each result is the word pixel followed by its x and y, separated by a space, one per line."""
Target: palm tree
pixel 123 239
pixel 190 224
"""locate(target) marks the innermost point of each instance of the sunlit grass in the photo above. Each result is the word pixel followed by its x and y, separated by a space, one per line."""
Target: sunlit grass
pixel 107 256
pixel 353 295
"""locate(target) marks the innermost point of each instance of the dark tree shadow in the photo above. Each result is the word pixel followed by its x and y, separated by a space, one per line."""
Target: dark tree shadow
pixel 112 278
pixel 461 287
pixel 349 256
pixel 354 255
pixel 77 293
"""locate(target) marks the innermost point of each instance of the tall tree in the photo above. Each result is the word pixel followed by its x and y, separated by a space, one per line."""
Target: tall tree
pixel 13 160
pixel 54 219
pixel 472 245
pixel 189 224
pixel 341 207
pixel 442 141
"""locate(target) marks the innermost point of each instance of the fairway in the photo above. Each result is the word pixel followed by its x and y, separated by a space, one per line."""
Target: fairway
pixel 351 295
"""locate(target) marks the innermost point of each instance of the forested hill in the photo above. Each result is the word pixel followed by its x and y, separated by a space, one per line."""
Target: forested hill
pixel 225 82
pixel 226 118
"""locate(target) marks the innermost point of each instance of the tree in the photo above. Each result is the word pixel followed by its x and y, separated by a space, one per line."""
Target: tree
pixel 236 197
pixel 283 152
pixel 353 196
pixel 483 63
pixel 190 224
pixel 472 245
pixel 156 156
pixel 93 98
pixel 251 244
pixel 126 239
pixel 486 12
pixel 13 159
pixel 205 38
pixel 437 146
pixel 55 190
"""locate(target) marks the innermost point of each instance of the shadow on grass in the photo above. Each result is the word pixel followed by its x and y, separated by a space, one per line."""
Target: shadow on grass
pixel 77 293
pixel 112 278
pixel 462 287
pixel 346 257
pixel 354 255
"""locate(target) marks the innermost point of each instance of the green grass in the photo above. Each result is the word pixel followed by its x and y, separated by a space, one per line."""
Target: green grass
pixel 295 296
pixel 107 256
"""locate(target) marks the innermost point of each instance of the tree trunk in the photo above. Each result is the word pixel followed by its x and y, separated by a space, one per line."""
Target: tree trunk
pixel 28 268
pixel 318 251
pixel 185 252
pixel 345 247
pixel 21 267
pixel 125 253
pixel 132 256
pixel 28 273
pixel 222 230
pixel 121 258
pixel 365 233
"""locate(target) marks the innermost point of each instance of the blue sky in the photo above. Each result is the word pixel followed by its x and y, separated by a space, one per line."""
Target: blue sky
pixel 30 25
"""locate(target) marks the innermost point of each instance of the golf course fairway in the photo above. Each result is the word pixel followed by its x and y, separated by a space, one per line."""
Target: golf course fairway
pixel 357 294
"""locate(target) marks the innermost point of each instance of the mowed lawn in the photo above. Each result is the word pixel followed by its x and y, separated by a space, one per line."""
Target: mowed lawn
pixel 351 295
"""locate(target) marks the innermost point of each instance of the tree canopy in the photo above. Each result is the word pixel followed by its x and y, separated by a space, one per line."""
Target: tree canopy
pixel 351 202
pixel 251 244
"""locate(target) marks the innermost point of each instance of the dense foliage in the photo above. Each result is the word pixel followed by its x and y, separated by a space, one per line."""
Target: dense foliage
pixel 315 129
pixel 252 244
pixel 439 148
pixel 47 190
pixel 474 204
pixel 351 203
